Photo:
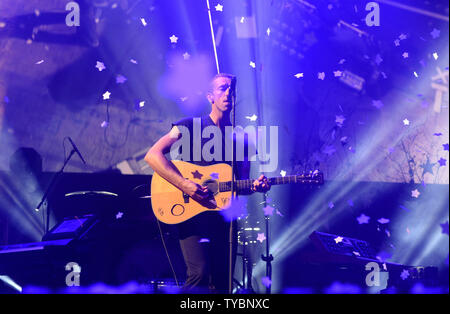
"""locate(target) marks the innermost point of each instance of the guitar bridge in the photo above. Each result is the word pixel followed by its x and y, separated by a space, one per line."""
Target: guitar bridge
pixel 186 198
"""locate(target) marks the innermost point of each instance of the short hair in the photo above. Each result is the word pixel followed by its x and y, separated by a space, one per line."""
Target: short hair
pixel 227 75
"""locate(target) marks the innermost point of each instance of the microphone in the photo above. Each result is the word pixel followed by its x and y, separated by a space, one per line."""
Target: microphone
pixel 76 150
pixel 233 89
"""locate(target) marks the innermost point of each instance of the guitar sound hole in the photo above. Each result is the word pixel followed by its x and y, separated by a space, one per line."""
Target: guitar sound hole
pixel 177 210
pixel 213 186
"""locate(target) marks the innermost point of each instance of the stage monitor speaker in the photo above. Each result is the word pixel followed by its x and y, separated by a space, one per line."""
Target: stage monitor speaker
pixel 344 246
pixel 71 227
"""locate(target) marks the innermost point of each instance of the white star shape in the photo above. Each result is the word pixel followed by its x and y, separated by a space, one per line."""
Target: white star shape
pixel 252 64
pixel 406 122
pixel 261 237
pixel 219 7
pixel 405 55
pixel 337 73
pixel 186 56
pixel 338 239
pixel 268 31
pixel 252 118
pixel 298 75
pixel 363 219
pixel 340 120
pixel 415 193
pixel 100 66
pixel 143 21
pixel 119 215
pixel 173 39
pixel 321 76
pixel 106 95
pixel 283 173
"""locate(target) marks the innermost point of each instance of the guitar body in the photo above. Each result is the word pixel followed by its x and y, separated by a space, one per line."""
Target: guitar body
pixel 171 206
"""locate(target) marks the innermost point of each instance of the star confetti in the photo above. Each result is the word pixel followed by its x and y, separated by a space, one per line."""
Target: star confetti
pixel 435 33
pixel 298 75
pixel 219 7
pixel 119 215
pixel 377 104
pixel 173 39
pixel 186 56
pixel 214 176
pixel 338 239
pixel 104 124
pixel 268 210
pixel 133 61
pixel 252 118
pixel 203 240
pixel 405 55
pixel 237 208
pixel 100 66
pixel 321 76
pixel 378 59
pixel 442 162
pixel 415 193
pixel 383 221
pixel 252 64
pixel 143 21
pixel 106 95
pixel 363 219
pixel 261 237
pixel 266 281
pixel 340 120
pixel 268 31
pixel 404 274
pixel 40 62
pixel 337 73
pixel 406 122
pixel 283 173
pixel 120 79
pixel 330 205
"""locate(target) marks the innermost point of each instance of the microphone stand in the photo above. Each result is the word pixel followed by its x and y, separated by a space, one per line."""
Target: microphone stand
pixel 233 192
pixel 47 192
pixel 268 258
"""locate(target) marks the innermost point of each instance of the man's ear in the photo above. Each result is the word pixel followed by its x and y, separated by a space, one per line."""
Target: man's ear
pixel 210 98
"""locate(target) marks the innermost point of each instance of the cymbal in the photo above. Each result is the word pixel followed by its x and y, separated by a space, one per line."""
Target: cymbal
pixel 77 193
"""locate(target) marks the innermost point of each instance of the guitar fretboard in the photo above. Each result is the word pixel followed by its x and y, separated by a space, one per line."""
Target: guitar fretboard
pixel 246 184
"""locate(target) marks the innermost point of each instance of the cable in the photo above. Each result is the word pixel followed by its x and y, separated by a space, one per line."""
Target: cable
pixel 167 253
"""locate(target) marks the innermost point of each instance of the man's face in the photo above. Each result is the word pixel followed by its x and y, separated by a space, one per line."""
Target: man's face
pixel 220 97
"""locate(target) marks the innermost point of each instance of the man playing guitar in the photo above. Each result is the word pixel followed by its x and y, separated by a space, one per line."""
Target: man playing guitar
pixel 204 238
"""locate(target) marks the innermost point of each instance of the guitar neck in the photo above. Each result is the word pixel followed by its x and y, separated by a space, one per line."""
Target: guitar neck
pixel 246 184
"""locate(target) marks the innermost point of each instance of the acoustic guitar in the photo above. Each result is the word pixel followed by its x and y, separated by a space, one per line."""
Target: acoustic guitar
pixel 172 206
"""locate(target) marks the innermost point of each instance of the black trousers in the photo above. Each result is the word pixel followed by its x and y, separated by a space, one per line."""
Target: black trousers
pixel 206 254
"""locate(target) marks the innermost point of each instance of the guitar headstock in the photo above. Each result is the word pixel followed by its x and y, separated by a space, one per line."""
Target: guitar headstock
pixel 311 177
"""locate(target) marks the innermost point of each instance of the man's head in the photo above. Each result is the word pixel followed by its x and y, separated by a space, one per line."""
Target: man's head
pixel 221 91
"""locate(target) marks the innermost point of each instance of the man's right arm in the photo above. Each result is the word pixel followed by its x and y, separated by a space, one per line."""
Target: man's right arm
pixel 156 158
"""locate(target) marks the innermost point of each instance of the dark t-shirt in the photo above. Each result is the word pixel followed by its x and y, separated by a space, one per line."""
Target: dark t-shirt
pixel 208 223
